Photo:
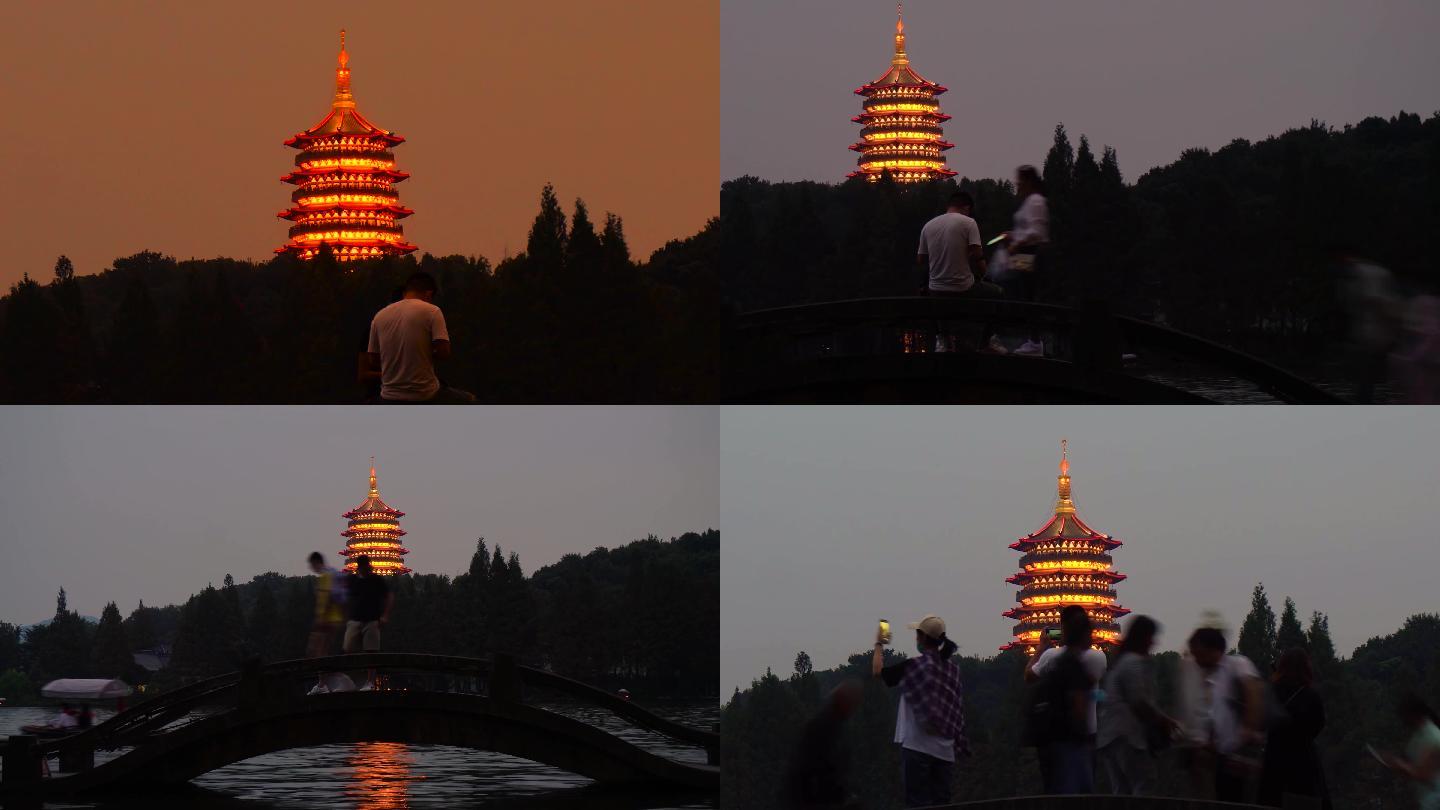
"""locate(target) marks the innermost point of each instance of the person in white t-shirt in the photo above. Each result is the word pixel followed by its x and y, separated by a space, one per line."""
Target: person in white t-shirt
pixel 1221 712
pixel 1067 767
pixel 950 250
pixel 406 338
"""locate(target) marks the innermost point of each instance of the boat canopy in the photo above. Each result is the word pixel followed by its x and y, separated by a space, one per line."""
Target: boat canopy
pixel 86 689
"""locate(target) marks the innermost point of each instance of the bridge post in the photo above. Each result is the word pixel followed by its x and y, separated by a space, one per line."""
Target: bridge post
pixel 1097 337
pixel 76 759
pixel 504 679
pixel 20 773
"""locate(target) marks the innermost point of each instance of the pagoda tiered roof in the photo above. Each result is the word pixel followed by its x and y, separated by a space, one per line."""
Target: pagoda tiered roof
pixel 346 178
pixel 1064 563
pixel 375 532
pixel 901 133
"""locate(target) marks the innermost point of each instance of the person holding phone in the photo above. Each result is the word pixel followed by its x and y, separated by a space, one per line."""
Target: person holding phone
pixel 1068 765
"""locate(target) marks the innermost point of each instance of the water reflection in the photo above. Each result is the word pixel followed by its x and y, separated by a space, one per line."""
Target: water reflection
pixel 382 777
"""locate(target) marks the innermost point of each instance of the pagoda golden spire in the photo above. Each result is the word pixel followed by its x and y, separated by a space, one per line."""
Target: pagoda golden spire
pixel 343 98
pixel 900 58
pixel 374 488
pixel 1063 504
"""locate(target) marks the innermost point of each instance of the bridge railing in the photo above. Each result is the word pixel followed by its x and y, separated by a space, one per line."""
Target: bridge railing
pixel 499 679
pixel 770 344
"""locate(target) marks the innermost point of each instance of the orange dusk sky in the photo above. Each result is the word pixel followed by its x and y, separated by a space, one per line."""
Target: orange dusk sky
pixel 159 126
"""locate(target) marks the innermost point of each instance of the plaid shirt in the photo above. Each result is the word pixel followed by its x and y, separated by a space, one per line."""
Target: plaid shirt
pixel 932 689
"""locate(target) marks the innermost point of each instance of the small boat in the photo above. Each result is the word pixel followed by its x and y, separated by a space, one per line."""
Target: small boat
pixel 42 730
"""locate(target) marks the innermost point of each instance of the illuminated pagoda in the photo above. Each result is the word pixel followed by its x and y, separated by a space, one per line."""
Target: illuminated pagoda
pixel 375 532
pixel 346 178
pixel 1065 563
pixel 900 128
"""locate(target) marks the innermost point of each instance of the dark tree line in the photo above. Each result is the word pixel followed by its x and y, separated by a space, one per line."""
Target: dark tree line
pixel 1231 244
pixel 759 725
pixel 573 318
pixel 644 616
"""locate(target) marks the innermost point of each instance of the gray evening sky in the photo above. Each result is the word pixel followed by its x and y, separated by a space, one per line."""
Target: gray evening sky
pixel 836 517
pixel 122 504
pixel 1149 77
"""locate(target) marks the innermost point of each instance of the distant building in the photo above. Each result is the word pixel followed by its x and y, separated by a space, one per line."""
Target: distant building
pixel 1065 563
pixel 375 532
pixel 154 659
pixel 900 129
pixel 346 176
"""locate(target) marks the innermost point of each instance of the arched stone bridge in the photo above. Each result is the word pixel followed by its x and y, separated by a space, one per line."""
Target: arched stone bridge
pixel 429 700
pixel 881 350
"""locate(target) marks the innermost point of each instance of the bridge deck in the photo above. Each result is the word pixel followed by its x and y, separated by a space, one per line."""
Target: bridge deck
pixel 237 716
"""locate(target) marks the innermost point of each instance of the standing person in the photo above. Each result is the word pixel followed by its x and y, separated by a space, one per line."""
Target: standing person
pixel 1416 360
pixel 1421 762
pixel 1292 764
pixel 1024 243
pixel 1223 708
pixel 1374 307
pixel 930 725
pixel 1131 726
pixel 329 613
pixel 1066 680
pixel 406 338
pixel 815 778
pixel 370 603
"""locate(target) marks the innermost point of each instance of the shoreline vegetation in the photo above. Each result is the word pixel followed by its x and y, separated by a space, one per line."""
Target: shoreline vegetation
pixel 572 319
pixel 760 724
pixel 622 617
pixel 1231 245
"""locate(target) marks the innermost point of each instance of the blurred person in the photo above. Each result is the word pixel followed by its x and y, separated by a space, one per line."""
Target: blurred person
pixel 371 601
pixel 406 338
pixel 1416 361
pixel 1373 306
pixel 1421 761
pixel 1019 253
pixel 1292 765
pixel 930 723
pixel 1132 729
pixel 1067 680
pixel 64 719
pixel 816 776
pixel 1222 707
pixel 329 613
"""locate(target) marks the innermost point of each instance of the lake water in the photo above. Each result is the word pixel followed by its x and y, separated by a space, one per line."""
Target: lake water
pixel 393 776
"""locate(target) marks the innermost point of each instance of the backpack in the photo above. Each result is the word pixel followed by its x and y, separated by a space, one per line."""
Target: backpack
pixel 1048 717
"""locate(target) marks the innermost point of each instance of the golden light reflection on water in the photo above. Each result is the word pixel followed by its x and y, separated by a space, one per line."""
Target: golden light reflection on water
pixel 382 776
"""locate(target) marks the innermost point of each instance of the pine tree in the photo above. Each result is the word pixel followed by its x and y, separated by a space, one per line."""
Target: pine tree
pixel 1317 640
pixel 1257 634
pixel 60 603
pixel 1291 635
pixel 546 245
pixel 1059 168
pixel 612 240
pixel 111 655
pixel 583 249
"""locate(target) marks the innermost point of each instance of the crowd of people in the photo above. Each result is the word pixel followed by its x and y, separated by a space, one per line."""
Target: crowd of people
pixel 360 602
pixel 1097 724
